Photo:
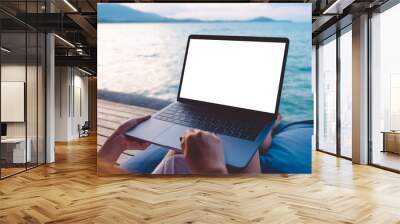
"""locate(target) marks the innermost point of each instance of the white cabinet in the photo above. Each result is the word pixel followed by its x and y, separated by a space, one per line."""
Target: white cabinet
pixel 17 148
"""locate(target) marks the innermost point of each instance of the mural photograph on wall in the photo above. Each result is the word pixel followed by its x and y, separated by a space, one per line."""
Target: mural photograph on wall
pixel 208 89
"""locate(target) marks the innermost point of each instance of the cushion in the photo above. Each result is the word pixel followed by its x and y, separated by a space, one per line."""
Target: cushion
pixel 145 161
pixel 290 150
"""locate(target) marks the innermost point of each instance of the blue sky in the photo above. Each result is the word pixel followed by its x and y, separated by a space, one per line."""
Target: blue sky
pixel 298 12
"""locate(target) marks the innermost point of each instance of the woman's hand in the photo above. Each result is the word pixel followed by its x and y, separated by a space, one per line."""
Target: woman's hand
pixel 119 142
pixel 203 152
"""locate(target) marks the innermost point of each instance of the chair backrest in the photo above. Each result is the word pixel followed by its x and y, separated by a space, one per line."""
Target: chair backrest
pixel 86 125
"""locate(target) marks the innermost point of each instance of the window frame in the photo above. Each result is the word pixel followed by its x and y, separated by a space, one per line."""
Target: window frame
pixel 380 9
pixel 333 37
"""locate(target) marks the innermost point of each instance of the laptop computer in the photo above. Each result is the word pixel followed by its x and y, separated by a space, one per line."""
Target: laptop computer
pixel 231 86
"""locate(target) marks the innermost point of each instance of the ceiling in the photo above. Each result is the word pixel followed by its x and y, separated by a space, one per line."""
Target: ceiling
pixel 74 22
pixel 331 15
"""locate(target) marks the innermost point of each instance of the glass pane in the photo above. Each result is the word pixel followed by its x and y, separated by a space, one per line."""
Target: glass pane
pixel 13 87
pixel 385 84
pixel 41 98
pixel 327 97
pixel 31 98
pixel 346 94
pixel 31 88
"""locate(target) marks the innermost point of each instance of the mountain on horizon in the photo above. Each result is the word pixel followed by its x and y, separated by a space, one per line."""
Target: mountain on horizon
pixel 113 13
pixel 116 13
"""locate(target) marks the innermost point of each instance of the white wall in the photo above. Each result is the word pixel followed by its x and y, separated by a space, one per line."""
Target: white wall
pixel 14 73
pixel 17 73
pixel 81 84
pixel 70 83
pixel 62 81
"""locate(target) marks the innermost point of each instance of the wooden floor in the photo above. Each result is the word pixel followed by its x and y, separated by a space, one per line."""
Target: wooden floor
pixel 70 191
pixel 10 171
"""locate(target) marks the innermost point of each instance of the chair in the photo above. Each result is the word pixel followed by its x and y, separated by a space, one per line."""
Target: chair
pixel 84 130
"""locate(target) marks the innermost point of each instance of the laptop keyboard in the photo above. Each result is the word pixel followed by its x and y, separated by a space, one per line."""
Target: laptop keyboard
pixel 210 121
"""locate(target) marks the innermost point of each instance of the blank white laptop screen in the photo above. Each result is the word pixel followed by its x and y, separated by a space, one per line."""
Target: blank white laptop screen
pixel 243 74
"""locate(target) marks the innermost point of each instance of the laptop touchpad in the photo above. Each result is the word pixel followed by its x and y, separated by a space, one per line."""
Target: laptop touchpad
pixel 171 137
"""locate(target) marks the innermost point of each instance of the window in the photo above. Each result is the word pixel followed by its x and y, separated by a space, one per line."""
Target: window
pixel 327 96
pixel 385 89
pixel 334 106
pixel 346 93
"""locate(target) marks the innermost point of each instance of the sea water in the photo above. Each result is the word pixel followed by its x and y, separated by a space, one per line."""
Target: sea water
pixel 146 59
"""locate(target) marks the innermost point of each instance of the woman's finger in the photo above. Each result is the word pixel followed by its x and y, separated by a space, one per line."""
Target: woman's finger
pixel 136 145
pixel 141 119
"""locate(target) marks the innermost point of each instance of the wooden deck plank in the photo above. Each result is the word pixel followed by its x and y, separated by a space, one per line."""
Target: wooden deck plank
pixel 101 140
pixel 120 114
pixel 108 124
pixel 106 132
pixel 123 106
pixel 113 118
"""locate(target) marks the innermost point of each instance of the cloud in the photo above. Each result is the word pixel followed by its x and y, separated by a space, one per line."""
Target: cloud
pixel 228 11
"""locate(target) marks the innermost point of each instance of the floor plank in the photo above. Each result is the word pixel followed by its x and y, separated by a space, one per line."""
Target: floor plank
pixel 69 191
